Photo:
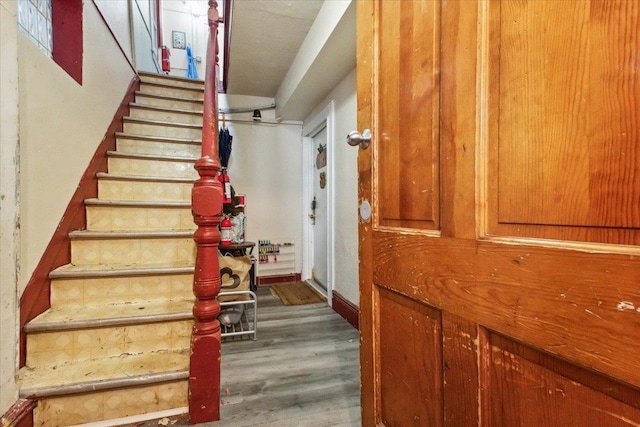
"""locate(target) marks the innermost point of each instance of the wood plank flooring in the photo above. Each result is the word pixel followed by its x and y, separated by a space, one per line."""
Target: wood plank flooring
pixel 302 371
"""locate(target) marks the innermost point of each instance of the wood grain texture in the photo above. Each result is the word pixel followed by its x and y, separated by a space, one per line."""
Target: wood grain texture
pixel 460 349
pixel 365 75
pixel 565 119
pixel 409 149
pixel 20 414
pixel 545 297
pixel 411 379
pixel 36 297
pixel 458 119
pixel 519 386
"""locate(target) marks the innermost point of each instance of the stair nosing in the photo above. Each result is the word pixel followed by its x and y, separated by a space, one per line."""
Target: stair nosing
pixel 145 178
pixel 71 325
pixel 136 203
pixel 168 86
pixel 168 97
pixel 125 135
pixel 138 234
pixel 104 384
pixel 65 273
pixel 126 155
pixel 170 78
pixel 165 109
pixel 160 123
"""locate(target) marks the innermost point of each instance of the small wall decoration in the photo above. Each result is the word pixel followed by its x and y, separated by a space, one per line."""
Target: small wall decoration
pixel 321 159
pixel 323 179
pixel 179 39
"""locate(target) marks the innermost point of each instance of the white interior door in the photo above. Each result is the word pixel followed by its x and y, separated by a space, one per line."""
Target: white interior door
pixel 319 229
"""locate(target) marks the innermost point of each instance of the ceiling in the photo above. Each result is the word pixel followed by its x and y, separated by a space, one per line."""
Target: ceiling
pixel 266 36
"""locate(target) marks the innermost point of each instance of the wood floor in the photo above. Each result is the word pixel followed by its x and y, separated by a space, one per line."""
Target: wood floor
pixel 302 371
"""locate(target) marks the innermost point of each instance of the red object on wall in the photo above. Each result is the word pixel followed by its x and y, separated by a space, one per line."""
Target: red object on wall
pixel 66 19
pixel 226 186
pixel 166 62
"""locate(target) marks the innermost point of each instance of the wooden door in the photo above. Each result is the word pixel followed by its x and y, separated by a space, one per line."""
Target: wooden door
pixel 500 271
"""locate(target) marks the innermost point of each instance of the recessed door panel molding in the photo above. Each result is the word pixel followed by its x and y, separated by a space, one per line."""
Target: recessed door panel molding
pixel 564 120
pixel 410 362
pixel 408 148
pixel 527 388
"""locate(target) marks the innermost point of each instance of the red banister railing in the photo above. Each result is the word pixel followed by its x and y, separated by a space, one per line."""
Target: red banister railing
pixel 206 202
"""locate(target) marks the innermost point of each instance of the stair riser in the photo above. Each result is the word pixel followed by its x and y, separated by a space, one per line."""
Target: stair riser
pixel 141 146
pixel 144 191
pixel 173 82
pixel 168 116
pixel 107 405
pixel 107 218
pixel 194 134
pixel 152 168
pixel 120 290
pixel 175 91
pixel 169 103
pixel 141 252
pixel 59 347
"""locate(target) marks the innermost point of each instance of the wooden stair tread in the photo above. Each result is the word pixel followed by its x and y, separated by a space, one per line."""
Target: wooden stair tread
pixel 150 156
pixel 105 374
pixel 168 97
pixel 125 135
pixel 178 79
pixel 150 234
pixel 70 271
pixel 164 109
pixel 104 315
pixel 129 119
pixel 135 203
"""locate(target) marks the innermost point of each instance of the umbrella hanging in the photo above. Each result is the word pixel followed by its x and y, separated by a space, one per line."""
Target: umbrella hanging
pixel 224 146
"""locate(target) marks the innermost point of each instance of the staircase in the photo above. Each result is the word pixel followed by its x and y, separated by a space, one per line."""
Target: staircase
pixel 115 342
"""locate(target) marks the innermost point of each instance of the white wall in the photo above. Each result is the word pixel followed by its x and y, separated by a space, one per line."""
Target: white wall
pixel 265 165
pixel 346 188
pixel 189 17
pixel 9 208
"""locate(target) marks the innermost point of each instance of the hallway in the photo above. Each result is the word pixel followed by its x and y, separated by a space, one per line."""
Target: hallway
pixel 302 371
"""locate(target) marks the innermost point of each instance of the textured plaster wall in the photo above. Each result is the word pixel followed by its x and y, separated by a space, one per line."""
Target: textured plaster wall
pixel 9 208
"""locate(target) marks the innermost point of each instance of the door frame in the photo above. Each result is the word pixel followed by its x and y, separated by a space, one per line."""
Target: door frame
pixel 326 118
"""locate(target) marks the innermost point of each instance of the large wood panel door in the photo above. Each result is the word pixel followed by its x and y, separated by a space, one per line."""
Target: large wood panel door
pixel 500 271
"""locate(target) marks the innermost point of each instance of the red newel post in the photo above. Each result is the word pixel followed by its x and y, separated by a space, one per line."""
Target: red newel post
pixel 206 202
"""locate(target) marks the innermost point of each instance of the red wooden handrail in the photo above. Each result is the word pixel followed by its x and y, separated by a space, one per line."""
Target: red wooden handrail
pixel 206 202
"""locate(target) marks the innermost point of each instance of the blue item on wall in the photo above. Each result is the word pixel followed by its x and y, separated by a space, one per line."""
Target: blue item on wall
pixel 192 72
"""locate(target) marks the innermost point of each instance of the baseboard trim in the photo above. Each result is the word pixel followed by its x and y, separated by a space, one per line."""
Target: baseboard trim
pixel 268 280
pixel 345 308
pixel 20 414
pixel 36 297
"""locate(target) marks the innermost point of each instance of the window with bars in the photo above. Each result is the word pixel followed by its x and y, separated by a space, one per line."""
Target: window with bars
pixel 34 19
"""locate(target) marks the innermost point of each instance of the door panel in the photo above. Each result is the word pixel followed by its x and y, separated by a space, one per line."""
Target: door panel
pixel 564 120
pixel 409 153
pixel 522 274
pixel 521 379
pixel 410 362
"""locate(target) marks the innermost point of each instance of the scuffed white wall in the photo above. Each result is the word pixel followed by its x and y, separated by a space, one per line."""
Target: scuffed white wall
pixel 61 125
pixel 346 188
pixel 9 207
pixel 265 165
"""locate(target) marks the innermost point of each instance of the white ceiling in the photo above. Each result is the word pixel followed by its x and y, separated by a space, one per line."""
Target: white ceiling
pixel 266 39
